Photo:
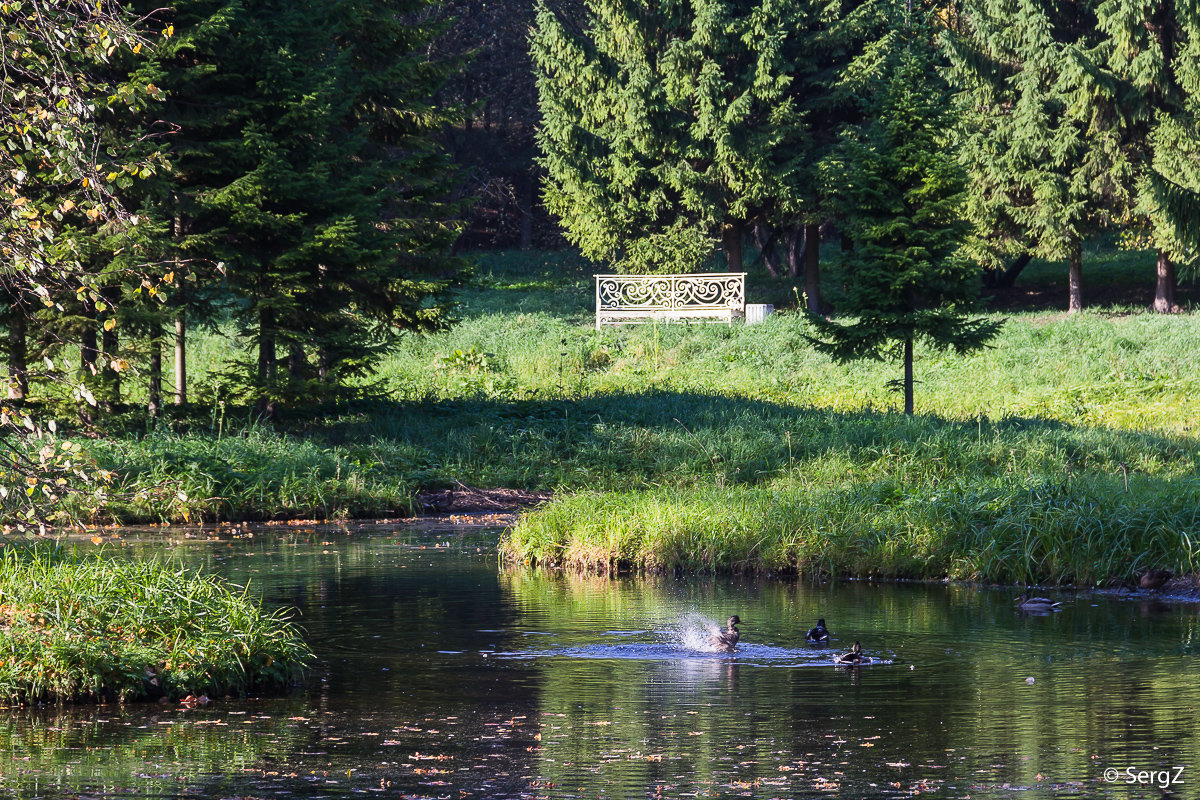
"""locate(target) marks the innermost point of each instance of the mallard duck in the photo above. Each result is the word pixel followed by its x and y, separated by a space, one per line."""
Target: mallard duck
pixel 727 639
pixel 852 658
pixel 1153 579
pixel 818 634
pixel 1027 603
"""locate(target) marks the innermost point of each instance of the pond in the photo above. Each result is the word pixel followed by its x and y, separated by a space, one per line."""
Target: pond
pixel 442 676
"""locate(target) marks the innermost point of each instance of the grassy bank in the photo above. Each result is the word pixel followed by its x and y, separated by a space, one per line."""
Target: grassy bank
pixel 1083 531
pixel 78 627
pixel 1088 418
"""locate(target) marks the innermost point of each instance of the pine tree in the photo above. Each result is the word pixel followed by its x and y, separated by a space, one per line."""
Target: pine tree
pixel 902 193
pixel 1043 134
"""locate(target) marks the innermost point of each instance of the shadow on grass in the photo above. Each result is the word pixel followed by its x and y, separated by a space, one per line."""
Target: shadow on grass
pixel 662 437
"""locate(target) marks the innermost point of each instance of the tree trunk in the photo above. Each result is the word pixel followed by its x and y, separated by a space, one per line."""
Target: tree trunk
pixel 1075 278
pixel 764 238
pixel 794 247
pixel 908 376
pixel 1003 279
pixel 324 365
pixel 88 351
pixel 181 357
pixel 1164 285
pixel 18 354
pixel 264 406
pixel 812 267
pixel 109 344
pixel 733 246
pixel 154 402
pixel 297 362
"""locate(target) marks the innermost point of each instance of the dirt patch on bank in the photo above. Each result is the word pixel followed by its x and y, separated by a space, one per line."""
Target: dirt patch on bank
pixel 468 499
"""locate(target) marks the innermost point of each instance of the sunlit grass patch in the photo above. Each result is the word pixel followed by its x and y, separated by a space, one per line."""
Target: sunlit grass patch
pixel 91 627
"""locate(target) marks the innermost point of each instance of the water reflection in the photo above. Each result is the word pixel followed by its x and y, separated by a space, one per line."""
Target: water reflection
pixel 441 677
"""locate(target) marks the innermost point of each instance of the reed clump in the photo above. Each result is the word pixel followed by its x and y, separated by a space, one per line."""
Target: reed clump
pixel 92 627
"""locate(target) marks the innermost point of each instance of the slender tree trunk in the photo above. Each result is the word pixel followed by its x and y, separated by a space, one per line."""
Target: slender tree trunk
pixel 764 239
pixel 297 362
pixel 88 349
pixel 794 246
pixel 908 376
pixel 324 364
pixel 264 407
pixel 1075 278
pixel 109 344
pixel 18 354
pixel 88 352
pixel 1164 285
pixel 181 357
pixel 154 402
pixel 733 246
pixel 526 206
pixel 180 321
pixel 812 267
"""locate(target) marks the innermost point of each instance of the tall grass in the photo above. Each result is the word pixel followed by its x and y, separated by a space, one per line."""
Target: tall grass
pixel 253 473
pixel 78 627
pixel 1084 530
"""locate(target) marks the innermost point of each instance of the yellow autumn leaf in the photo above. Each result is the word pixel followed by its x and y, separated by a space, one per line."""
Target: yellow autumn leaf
pixel 109 324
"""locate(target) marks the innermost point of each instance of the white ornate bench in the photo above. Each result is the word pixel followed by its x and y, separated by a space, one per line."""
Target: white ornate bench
pixel 711 296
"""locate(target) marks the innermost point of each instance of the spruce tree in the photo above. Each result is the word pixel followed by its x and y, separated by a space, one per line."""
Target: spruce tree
pixel 668 125
pixel 1042 135
pixel 901 198
pixel 305 165
pixel 1153 55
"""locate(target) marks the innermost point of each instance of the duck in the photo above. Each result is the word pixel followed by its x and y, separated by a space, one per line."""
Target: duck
pixel 727 639
pixel 819 634
pixel 1153 579
pixel 852 658
pixel 1027 603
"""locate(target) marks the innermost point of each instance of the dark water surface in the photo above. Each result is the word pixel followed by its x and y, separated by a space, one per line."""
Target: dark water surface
pixel 441 676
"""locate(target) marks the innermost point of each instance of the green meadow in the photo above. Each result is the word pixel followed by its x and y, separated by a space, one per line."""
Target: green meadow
pixel 1066 451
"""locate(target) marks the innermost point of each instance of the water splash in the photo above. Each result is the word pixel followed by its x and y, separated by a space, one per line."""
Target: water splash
pixel 693 631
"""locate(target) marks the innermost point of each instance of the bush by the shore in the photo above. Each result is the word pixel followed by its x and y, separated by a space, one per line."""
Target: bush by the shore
pixel 89 627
